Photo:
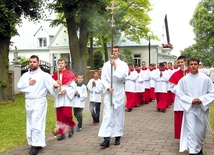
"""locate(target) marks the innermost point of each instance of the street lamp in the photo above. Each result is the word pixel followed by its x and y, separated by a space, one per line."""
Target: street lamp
pixel 149 34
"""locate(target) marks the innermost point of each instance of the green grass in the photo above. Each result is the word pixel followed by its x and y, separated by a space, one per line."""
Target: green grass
pixel 13 122
pixel 211 118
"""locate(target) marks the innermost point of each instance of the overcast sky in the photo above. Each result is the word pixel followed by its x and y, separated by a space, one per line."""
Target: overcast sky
pixel 179 13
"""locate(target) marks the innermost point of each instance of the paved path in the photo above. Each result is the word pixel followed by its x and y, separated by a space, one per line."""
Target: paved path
pixel 147 132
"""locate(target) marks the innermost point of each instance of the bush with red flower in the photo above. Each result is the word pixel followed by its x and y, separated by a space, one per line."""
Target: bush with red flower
pixel 167 45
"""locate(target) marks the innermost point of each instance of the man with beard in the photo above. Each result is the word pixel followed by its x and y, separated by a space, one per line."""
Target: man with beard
pixel 36 83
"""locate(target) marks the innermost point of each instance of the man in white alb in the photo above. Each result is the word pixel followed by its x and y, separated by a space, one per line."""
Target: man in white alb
pixel 113 115
pixel 196 92
pixel 35 84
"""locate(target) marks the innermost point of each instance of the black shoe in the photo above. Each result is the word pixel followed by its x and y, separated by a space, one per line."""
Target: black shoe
pixel 34 150
pixel 30 150
pixel 117 141
pixel 201 152
pixel 164 111
pixel 129 110
pixel 105 144
pixel 71 132
pixel 61 137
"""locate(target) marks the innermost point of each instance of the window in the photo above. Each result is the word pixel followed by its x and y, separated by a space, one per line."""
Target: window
pixel 137 59
pixel 42 42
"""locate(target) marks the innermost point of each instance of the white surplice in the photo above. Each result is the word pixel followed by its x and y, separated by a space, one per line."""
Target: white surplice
pixel 161 85
pixel 95 91
pixel 130 82
pixel 36 104
pixel 79 101
pixel 65 100
pixel 145 74
pixel 195 116
pixel 113 116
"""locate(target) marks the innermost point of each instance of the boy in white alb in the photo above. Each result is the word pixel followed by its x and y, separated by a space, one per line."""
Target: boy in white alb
pixel 78 102
pixel 130 87
pixel 95 87
pixel 161 77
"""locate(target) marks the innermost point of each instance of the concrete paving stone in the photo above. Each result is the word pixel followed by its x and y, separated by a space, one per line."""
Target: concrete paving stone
pixel 134 150
pixel 150 153
pixel 128 153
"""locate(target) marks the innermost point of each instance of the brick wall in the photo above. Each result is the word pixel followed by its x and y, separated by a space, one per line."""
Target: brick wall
pixel 90 73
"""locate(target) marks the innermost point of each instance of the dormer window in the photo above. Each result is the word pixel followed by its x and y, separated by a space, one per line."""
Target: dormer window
pixel 42 42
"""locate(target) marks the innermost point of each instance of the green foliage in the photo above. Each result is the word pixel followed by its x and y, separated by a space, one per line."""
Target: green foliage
pixel 127 56
pixel 203 26
pixel 12 11
pixel 98 59
pixel 23 61
pixel 131 17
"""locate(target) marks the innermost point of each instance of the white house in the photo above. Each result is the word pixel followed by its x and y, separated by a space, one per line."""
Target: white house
pixel 51 43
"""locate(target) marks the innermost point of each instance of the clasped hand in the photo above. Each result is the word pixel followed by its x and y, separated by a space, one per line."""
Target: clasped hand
pixel 196 101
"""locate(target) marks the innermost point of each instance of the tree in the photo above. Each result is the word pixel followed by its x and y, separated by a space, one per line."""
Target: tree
pixel 84 17
pixel 203 27
pixel 78 16
pixel 127 56
pixel 131 18
pixel 98 60
pixel 10 15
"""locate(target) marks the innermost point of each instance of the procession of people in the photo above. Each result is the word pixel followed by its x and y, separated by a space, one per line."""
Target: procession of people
pixel 125 86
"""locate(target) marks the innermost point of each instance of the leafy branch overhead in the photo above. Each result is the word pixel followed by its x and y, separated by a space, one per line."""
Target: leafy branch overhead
pixel 203 27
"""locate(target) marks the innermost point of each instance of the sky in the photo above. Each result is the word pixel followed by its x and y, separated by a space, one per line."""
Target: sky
pixel 179 13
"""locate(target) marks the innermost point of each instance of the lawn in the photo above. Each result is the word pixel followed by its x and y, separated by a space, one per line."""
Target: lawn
pixel 13 121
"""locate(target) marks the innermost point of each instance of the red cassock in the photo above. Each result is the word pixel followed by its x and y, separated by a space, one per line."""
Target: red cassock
pixel 146 93
pixel 138 99
pixel 152 93
pixel 170 98
pixel 146 96
pixel 64 114
pixel 161 100
pixel 130 99
pixel 178 115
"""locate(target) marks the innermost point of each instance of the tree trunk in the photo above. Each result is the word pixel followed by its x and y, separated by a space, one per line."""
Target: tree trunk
pixel 78 46
pixel 105 51
pixel 91 52
pixel 5 89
